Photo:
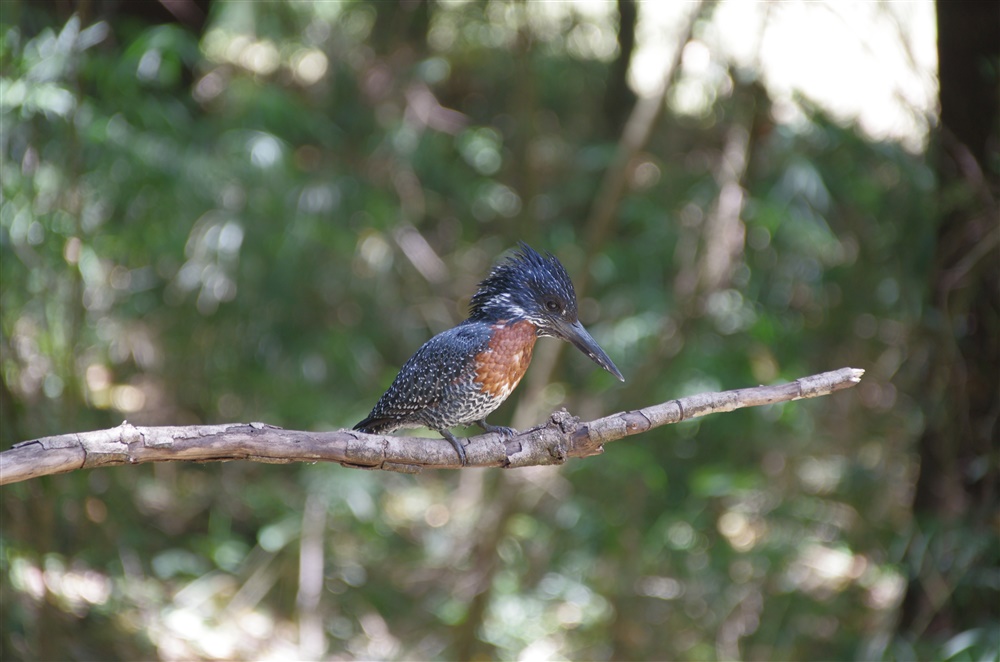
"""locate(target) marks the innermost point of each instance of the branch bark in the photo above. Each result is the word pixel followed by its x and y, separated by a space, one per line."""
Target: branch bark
pixel 563 437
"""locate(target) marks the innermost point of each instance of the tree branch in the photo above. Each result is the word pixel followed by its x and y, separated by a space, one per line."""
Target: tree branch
pixel 564 436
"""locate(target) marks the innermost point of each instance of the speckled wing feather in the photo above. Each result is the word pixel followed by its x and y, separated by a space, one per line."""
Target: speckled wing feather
pixel 427 382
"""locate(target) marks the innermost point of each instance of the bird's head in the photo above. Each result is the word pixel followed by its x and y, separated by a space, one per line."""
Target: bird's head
pixel 536 288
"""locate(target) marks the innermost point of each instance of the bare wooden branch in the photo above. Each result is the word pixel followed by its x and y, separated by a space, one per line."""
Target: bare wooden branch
pixel 563 437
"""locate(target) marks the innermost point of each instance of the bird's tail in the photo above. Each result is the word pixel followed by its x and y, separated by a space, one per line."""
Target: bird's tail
pixel 376 425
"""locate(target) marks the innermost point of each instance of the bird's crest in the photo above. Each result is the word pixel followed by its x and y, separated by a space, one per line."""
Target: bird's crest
pixel 518 287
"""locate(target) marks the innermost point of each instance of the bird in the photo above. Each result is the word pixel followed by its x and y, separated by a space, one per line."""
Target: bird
pixel 461 375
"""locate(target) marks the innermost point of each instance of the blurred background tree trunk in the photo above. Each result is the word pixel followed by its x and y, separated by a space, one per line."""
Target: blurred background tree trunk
pixel 957 479
pixel 618 96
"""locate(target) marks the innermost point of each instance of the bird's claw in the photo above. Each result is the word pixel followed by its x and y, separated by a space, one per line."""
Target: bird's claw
pixel 456 444
pixel 503 430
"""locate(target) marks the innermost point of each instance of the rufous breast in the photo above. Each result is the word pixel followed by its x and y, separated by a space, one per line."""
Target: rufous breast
pixel 500 367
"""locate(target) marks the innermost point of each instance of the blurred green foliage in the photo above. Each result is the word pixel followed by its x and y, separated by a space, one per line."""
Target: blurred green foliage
pixel 263 221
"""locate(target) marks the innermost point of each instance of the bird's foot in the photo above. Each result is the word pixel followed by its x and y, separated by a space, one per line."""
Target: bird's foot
pixel 459 448
pixel 503 430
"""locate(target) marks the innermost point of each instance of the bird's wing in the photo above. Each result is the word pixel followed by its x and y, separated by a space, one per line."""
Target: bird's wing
pixel 444 360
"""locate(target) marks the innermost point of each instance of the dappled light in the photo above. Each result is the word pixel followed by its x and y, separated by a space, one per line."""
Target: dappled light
pixel 261 218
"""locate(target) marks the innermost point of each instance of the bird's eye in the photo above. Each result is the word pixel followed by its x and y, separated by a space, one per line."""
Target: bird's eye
pixel 553 306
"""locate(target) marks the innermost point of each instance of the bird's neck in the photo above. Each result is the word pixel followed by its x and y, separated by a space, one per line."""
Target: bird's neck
pixel 494 316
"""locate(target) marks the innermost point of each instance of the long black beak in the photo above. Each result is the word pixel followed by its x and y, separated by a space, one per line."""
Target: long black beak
pixel 576 334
